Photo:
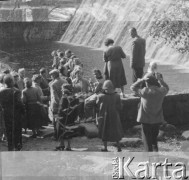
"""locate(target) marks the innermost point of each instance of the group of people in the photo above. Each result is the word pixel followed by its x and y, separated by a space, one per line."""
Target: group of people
pixel 67 97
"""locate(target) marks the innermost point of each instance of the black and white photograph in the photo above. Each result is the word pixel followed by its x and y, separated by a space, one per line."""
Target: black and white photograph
pixel 94 89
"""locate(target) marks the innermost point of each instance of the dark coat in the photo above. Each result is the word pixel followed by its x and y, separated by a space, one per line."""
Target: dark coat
pixel 110 128
pixel 31 98
pixel 10 99
pixel 113 68
pixel 138 53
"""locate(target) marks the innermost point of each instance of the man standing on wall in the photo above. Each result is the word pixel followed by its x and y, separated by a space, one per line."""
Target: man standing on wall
pixel 137 55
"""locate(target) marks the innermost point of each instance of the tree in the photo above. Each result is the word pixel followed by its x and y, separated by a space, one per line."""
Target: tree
pixel 172 26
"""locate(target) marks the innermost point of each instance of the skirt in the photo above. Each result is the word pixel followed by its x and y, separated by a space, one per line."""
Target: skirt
pixel 34 119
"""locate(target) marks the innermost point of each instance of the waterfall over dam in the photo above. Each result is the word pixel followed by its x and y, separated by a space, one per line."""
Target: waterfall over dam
pixel 95 20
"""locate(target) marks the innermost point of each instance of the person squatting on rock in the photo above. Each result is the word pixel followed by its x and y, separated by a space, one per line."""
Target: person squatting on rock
pixel 150 113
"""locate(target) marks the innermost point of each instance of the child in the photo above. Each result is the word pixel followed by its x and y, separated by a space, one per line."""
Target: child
pixel 109 124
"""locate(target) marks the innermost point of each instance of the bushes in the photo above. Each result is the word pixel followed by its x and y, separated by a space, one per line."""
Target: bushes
pixel 172 26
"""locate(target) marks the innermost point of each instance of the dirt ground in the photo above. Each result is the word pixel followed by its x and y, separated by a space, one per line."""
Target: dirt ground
pixel 131 142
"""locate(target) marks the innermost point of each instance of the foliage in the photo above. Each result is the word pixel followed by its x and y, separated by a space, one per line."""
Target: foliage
pixel 172 26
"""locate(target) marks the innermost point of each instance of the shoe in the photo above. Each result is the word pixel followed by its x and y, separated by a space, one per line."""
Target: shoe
pixel 104 150
pixel 135 95
pixel 68 149
pixel 59 148
pixel 119 149
pixel 123 95
pixel 54 138
pixel 33 136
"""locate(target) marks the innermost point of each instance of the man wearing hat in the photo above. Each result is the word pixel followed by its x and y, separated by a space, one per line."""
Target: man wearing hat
pixel 55 93
pixel 150 113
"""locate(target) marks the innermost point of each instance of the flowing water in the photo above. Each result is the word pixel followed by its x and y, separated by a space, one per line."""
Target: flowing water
pixel 96 20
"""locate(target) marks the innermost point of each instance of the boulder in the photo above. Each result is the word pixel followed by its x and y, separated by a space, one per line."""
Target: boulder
pixel 185 134
pixel 90 130
pixel 168 128
pixel 161 135
pixel 130 142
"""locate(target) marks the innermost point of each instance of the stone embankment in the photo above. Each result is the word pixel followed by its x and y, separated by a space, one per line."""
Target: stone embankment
pixel 175 108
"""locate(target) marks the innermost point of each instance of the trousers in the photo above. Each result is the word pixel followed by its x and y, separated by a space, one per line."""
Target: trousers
pixel 149 136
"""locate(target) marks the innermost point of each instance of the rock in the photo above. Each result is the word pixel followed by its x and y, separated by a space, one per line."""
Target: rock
pixel 168 127
pixel 161 135
pixel 90 130
pixel 130 142
pixel 136 129
pixel 185 134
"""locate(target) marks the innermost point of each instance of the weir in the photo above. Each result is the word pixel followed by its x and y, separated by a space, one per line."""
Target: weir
pixel 96 20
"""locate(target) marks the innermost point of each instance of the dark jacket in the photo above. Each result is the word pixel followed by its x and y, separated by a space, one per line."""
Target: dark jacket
pixel 138 53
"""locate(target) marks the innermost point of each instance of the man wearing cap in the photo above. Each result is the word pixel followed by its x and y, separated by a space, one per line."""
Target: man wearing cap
pixel 150 113
pixel 55 93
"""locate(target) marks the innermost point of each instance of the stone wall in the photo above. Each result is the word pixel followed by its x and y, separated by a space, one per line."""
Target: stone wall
pixel 32 31
pixel 175 107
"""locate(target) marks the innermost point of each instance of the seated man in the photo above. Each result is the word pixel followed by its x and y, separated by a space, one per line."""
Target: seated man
pixel 90 102
pixel 67 115
pixel 80 84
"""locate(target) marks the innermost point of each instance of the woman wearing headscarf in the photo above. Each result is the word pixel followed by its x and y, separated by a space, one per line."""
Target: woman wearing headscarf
pixel 113 69
pixel 31 98
pixel 109 124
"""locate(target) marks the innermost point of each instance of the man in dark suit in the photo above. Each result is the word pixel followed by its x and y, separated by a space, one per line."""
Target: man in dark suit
pixel 137 55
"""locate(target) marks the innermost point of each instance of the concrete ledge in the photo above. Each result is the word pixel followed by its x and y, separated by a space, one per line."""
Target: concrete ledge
pixel 175 107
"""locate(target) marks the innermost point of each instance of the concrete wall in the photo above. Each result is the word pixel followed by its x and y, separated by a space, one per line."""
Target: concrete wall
pixel 175 107
pixel 32 31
